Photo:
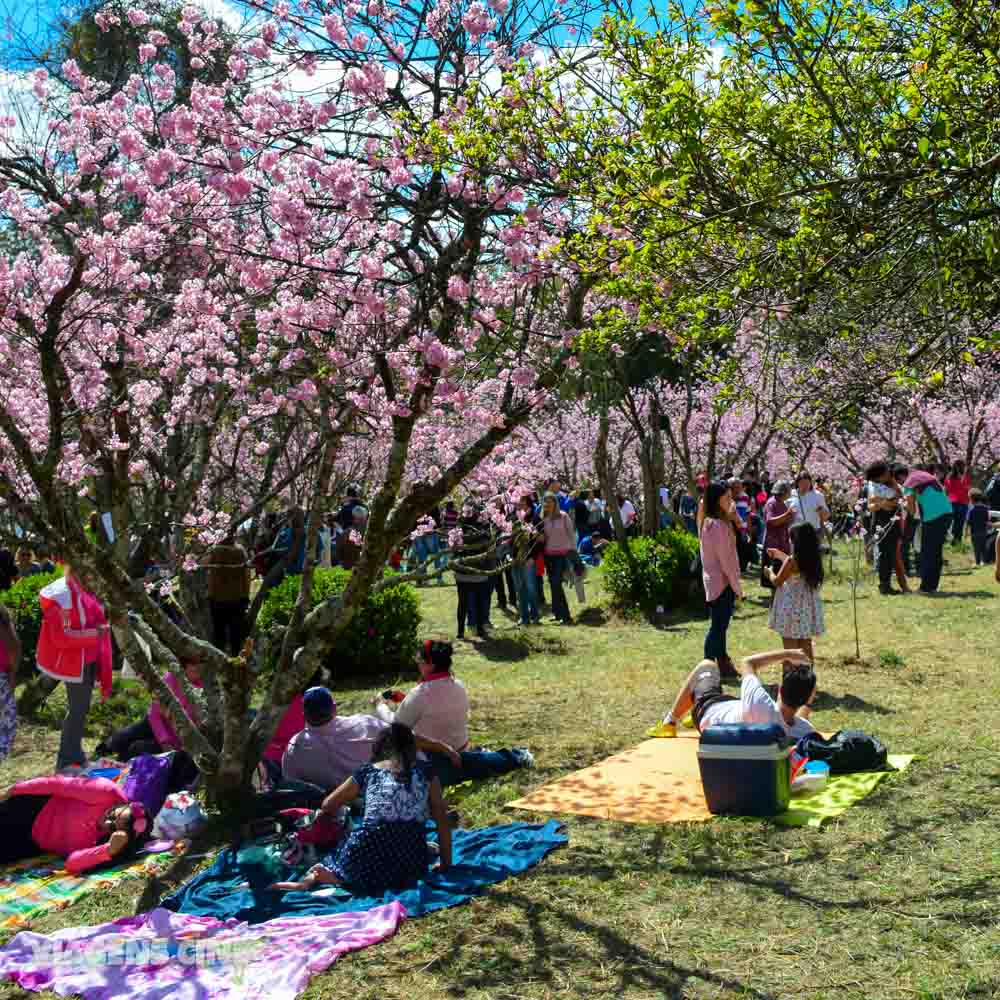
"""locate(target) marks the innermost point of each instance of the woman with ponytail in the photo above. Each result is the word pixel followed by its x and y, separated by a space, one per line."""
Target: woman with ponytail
pixel 389 849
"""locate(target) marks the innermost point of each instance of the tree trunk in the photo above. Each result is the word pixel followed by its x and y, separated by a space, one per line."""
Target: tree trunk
pixel 34 694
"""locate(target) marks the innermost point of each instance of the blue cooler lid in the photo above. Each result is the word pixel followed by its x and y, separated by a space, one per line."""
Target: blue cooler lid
pixel 744 735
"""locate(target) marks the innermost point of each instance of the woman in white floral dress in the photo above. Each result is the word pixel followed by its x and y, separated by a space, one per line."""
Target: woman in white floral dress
pixel 797 608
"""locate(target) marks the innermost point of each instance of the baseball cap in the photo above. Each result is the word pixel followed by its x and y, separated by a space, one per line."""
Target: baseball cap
pixel 318 703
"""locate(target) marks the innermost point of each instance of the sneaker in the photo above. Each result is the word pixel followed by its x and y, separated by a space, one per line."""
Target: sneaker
pixel 664 731
pixel 523 756
pixel 888 592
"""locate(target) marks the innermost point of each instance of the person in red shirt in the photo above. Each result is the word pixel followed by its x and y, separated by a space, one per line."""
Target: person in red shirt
pixel 957 485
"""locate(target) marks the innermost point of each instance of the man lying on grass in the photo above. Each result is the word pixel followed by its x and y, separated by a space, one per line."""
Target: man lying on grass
pixel 702 695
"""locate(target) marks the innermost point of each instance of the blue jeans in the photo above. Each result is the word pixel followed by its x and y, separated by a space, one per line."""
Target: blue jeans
pixel 425 546
pixel 476 764
pixel 932 539
pixel 527 593
pixel 555 567
pixel 721 610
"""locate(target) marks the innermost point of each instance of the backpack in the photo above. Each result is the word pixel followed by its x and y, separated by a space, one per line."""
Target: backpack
pixel 847 751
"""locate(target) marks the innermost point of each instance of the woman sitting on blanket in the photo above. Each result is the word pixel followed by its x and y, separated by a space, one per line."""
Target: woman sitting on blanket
pixel 88 821
pixel 437 709
pixel 389 849
pixel 155 733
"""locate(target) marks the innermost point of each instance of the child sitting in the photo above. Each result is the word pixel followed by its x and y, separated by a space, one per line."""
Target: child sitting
pixel 88 821
pixel 389 849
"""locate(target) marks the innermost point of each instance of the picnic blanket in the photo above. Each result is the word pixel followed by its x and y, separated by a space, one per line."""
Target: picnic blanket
pixel 659 781
pixel 480 858
pixel 33 886
pixel 174 956
pixel 840 793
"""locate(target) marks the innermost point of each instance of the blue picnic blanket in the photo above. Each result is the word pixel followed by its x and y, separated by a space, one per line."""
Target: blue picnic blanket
pixel 480 858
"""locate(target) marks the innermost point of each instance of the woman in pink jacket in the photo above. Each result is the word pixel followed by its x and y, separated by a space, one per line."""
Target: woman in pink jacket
pixel 88 821
pixel 720 567
pixel 74 646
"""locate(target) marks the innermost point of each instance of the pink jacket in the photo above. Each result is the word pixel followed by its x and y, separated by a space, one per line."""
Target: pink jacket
pixel 68 824
pixel 159 721
pixel 720 565
pixel 292 722
pixel 69 638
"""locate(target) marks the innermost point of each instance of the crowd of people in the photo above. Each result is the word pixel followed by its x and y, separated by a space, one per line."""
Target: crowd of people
pixel 391 764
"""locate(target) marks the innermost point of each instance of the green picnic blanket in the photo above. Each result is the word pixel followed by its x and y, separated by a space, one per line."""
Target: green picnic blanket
pixel 840 793
pixel 31 887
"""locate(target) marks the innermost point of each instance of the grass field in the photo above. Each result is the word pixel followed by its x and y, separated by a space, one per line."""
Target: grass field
pixel 897 899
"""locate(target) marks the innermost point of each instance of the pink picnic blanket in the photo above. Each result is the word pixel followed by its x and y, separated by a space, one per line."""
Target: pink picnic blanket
pixel 162 955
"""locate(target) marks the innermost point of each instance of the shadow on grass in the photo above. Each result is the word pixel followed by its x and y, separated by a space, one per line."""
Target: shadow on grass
pixel 182 867
pixel 592 617
pixel 503 649
pixel 559 940
pixel 977 594
pixel 849 702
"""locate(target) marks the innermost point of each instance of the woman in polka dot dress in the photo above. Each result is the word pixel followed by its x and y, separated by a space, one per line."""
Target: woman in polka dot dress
pixel 389 849
pixel 797 609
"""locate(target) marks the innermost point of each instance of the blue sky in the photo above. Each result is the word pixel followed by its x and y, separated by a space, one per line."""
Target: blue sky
pixel 28 24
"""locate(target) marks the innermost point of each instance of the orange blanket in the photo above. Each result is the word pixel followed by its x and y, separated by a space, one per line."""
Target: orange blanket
pixel 656 782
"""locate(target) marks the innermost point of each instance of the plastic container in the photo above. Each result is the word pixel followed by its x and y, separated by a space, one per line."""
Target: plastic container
pixel 745 770
pixel 811 779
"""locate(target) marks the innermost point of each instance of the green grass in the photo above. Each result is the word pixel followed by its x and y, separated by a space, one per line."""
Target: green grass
pixel 896 899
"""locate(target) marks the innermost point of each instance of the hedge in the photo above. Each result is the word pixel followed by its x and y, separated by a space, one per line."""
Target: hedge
pixel 21 600
pixel 382 634
pixel 664 567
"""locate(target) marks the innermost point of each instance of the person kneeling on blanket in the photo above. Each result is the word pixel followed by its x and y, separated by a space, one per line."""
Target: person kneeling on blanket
pixel 702 695
pixel 388 850
pixel 88 821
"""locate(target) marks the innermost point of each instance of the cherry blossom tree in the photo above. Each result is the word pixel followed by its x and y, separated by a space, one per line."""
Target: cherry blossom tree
pixel 218 298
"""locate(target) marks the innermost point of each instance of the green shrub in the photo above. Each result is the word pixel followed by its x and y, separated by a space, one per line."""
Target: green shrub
pixel 662 572
pixel 127 703
pixel 381 636
pixel 25 611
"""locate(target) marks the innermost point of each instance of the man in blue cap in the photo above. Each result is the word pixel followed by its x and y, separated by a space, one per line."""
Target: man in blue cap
pixel 332 747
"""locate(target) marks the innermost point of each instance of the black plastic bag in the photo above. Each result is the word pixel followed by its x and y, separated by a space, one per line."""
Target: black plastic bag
pixel 847 751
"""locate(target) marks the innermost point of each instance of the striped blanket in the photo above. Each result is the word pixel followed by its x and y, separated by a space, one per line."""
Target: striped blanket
pixel 32 887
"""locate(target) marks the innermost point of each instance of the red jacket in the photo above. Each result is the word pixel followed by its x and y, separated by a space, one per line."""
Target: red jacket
pixel 69 638
pixel 69 823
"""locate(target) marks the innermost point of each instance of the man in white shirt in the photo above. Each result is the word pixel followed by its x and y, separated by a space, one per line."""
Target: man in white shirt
pixel 702 695
pixel 808 504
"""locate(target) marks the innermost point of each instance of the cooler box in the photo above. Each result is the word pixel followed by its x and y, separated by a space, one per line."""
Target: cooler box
pixel 745 769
